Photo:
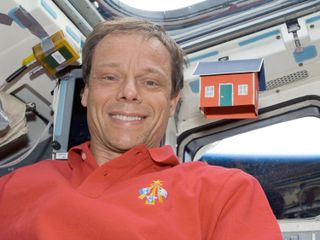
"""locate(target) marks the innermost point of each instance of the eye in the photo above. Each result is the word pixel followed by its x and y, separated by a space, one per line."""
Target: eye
pixel 110 77
pixel 151 83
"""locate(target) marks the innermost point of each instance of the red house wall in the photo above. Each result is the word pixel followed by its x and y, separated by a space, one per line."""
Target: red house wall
pixel 251 79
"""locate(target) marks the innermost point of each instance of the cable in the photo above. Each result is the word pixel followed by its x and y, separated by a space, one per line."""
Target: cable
pixel 26 63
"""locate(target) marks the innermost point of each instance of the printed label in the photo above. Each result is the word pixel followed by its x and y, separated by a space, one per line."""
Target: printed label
pixel 58 57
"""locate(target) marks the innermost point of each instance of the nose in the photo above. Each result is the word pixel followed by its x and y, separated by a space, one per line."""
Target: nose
pixel 128 91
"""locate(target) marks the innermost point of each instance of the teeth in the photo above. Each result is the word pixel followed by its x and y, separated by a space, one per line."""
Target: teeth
pixel 126 118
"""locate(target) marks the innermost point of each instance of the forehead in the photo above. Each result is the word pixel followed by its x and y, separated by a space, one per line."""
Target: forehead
pixel 131 41
pixel 131 49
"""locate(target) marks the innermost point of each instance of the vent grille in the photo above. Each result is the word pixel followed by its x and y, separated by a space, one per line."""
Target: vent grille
pixel 293 77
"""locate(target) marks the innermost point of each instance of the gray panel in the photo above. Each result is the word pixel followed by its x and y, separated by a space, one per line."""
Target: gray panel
pixel 63 114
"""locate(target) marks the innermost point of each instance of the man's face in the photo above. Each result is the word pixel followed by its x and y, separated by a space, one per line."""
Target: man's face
pixel 128 95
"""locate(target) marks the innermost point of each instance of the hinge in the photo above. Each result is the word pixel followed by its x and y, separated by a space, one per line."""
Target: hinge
pixel 293 27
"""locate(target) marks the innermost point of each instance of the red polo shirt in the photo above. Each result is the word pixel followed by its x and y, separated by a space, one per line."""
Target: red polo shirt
pixel 143 194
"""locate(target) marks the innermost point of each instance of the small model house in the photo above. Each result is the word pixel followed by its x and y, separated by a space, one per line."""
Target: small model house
pixel 229 89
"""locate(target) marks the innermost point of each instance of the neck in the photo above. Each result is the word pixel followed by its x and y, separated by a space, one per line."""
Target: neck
pixel 103 154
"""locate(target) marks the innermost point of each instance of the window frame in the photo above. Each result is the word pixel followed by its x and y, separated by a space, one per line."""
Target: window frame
pixel 191 141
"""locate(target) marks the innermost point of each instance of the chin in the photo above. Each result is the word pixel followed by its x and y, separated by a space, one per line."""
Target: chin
pixel 123 146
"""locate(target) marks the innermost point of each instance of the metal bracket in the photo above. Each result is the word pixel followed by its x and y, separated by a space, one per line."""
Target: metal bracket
pixel 293 27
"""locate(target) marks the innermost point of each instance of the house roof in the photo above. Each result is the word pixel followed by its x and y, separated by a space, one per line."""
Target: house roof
pixel 232 67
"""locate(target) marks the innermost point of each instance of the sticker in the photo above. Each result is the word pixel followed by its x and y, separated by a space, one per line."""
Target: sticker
pixel 58 57
pixel 155 192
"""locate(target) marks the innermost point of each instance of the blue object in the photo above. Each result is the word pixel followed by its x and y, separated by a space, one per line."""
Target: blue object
pixel 73 35
pixel 14 18
pixel 313 19
pixel 259 37
pixel 194 85
pixel 48 9
pixel 206 55
pixel 308 52
pixel 61 106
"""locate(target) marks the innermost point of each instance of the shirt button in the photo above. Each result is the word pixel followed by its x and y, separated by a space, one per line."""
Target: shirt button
pixel 138 153
pixel 84 156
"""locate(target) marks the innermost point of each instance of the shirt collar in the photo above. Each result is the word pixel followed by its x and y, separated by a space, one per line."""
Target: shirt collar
pixel 163 156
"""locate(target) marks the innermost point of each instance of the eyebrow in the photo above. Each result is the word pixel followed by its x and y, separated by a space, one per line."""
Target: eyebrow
pixel 152 70
pixel 155 71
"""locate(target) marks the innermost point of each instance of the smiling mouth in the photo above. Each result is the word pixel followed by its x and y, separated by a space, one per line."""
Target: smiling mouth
pixel 127 118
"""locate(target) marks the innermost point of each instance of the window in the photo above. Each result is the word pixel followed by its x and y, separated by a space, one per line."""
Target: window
pixel 284 157
pixel 209 92
pixel 197 24
pixel 243 89
pixel 162 5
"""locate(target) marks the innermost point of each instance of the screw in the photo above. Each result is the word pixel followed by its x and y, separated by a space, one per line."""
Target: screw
pixel 55 145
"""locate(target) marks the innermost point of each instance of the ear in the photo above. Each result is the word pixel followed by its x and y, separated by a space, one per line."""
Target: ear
pixel 173 104
pixel 84 97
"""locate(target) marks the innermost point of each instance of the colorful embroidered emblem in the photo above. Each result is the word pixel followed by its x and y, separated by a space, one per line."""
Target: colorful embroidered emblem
pixel 154 192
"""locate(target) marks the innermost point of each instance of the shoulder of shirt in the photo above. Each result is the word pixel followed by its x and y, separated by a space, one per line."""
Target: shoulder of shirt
pixel 40 167
pixel 211 172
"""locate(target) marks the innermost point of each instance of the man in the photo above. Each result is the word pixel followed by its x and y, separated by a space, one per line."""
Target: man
pixel 122 184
